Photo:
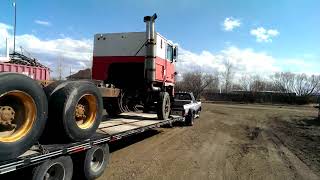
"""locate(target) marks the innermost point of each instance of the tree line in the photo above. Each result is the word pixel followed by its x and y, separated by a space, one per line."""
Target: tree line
pixel 300 84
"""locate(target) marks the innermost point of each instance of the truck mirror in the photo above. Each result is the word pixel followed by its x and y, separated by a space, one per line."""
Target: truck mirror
pixel 175 53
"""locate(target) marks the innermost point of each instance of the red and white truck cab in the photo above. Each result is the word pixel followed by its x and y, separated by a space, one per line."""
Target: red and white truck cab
pixel 141 64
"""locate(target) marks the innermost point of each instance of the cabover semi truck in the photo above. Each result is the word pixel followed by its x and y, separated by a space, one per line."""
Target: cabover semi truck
pixel 58 127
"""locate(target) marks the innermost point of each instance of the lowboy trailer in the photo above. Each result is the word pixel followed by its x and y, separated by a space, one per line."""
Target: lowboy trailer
pixel 131 72
pixel 110 130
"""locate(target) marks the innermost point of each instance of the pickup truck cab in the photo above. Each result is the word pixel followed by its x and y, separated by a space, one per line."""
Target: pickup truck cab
pixel 185 105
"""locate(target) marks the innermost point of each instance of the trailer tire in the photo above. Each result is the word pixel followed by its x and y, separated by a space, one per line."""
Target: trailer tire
pixel 61 167
pixel 64 112
pixel 190 119
pixel 92 163
pixel 163 106
pixel 29 109
pixel 95 162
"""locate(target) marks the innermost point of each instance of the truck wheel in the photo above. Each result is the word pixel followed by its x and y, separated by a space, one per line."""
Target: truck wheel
pixel 92 163
pixel 163 106
pixel 112 106
pixel 189 119
pixel 23 114
pixel 76 110
pixel 59 168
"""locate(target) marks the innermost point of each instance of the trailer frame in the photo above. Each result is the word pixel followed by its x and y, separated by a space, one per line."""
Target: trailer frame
pixel 40 153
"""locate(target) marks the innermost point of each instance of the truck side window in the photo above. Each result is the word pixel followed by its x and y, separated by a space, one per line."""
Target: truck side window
pixel 169 54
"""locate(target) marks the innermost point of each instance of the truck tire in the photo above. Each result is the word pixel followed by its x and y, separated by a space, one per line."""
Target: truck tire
pixel 92 163
pixel 23 114
pixel 112 107
pixel 75 110
pixel 189 118
pixel 163 106
pixel 198 113
pixel 59 168
pixel 95 162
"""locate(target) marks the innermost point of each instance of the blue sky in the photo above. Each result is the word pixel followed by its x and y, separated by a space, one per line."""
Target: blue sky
pixel 288 30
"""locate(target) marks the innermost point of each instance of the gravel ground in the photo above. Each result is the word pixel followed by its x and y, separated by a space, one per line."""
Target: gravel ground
pixel 227 142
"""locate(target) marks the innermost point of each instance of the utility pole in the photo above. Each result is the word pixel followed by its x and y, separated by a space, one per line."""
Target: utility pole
pixel 15 26
pixel 60 68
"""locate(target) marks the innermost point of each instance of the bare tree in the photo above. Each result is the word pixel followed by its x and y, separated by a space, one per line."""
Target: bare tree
pixel 227 75
pixel 306 85
pixel 195 82
pixel 60 68
pixel 257 84
pixel 245 82
pixel 284 81
pixel 301 84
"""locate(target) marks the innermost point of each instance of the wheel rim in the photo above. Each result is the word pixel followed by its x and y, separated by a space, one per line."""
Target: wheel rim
pixel 167 107
pixel 55 171
pixel 86 111
pixel 18 113
pixel 97 160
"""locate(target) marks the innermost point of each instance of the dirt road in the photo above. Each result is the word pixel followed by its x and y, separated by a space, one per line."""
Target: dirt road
pixel 227 142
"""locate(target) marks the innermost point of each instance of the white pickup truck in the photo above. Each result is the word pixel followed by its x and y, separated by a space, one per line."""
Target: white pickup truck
pixel 185 105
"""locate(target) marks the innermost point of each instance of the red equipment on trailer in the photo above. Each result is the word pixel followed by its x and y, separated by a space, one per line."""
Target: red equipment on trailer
pixel 141 65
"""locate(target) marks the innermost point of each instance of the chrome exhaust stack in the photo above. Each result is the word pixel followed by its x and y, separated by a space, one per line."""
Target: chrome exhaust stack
pixel 149 64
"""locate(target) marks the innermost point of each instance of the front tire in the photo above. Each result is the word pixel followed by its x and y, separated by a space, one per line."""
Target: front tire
pixel 163 106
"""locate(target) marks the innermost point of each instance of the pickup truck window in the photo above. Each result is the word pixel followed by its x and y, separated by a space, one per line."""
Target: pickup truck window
pixel 181 96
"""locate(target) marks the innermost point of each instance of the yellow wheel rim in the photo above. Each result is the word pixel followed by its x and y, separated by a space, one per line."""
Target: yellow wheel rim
pixel 25 113
pixel 86 116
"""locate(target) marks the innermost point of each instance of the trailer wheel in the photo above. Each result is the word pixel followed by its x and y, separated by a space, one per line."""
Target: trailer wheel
pixel 23 114
pixel 95 162
pixel 190 118
pixel 92 163
pixel 76 110
pixel 163 106
pixel 56 169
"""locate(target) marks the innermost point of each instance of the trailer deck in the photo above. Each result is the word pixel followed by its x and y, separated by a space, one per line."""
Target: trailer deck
pixel 109 130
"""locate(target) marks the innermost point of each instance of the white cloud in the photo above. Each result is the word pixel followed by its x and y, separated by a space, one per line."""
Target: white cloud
pixel 264 35
pixel 244 60
pixel 230 23
pixel 44 23
pixel 76 52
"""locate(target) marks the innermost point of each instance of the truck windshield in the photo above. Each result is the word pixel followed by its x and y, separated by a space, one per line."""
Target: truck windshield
pixel 179 96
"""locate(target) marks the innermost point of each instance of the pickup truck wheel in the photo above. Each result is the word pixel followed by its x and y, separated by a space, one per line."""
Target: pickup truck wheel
pixel 23 114
pixel 59 168
pixel 198 113
pixel 75 110
pixel 190 118
pixel 163 106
